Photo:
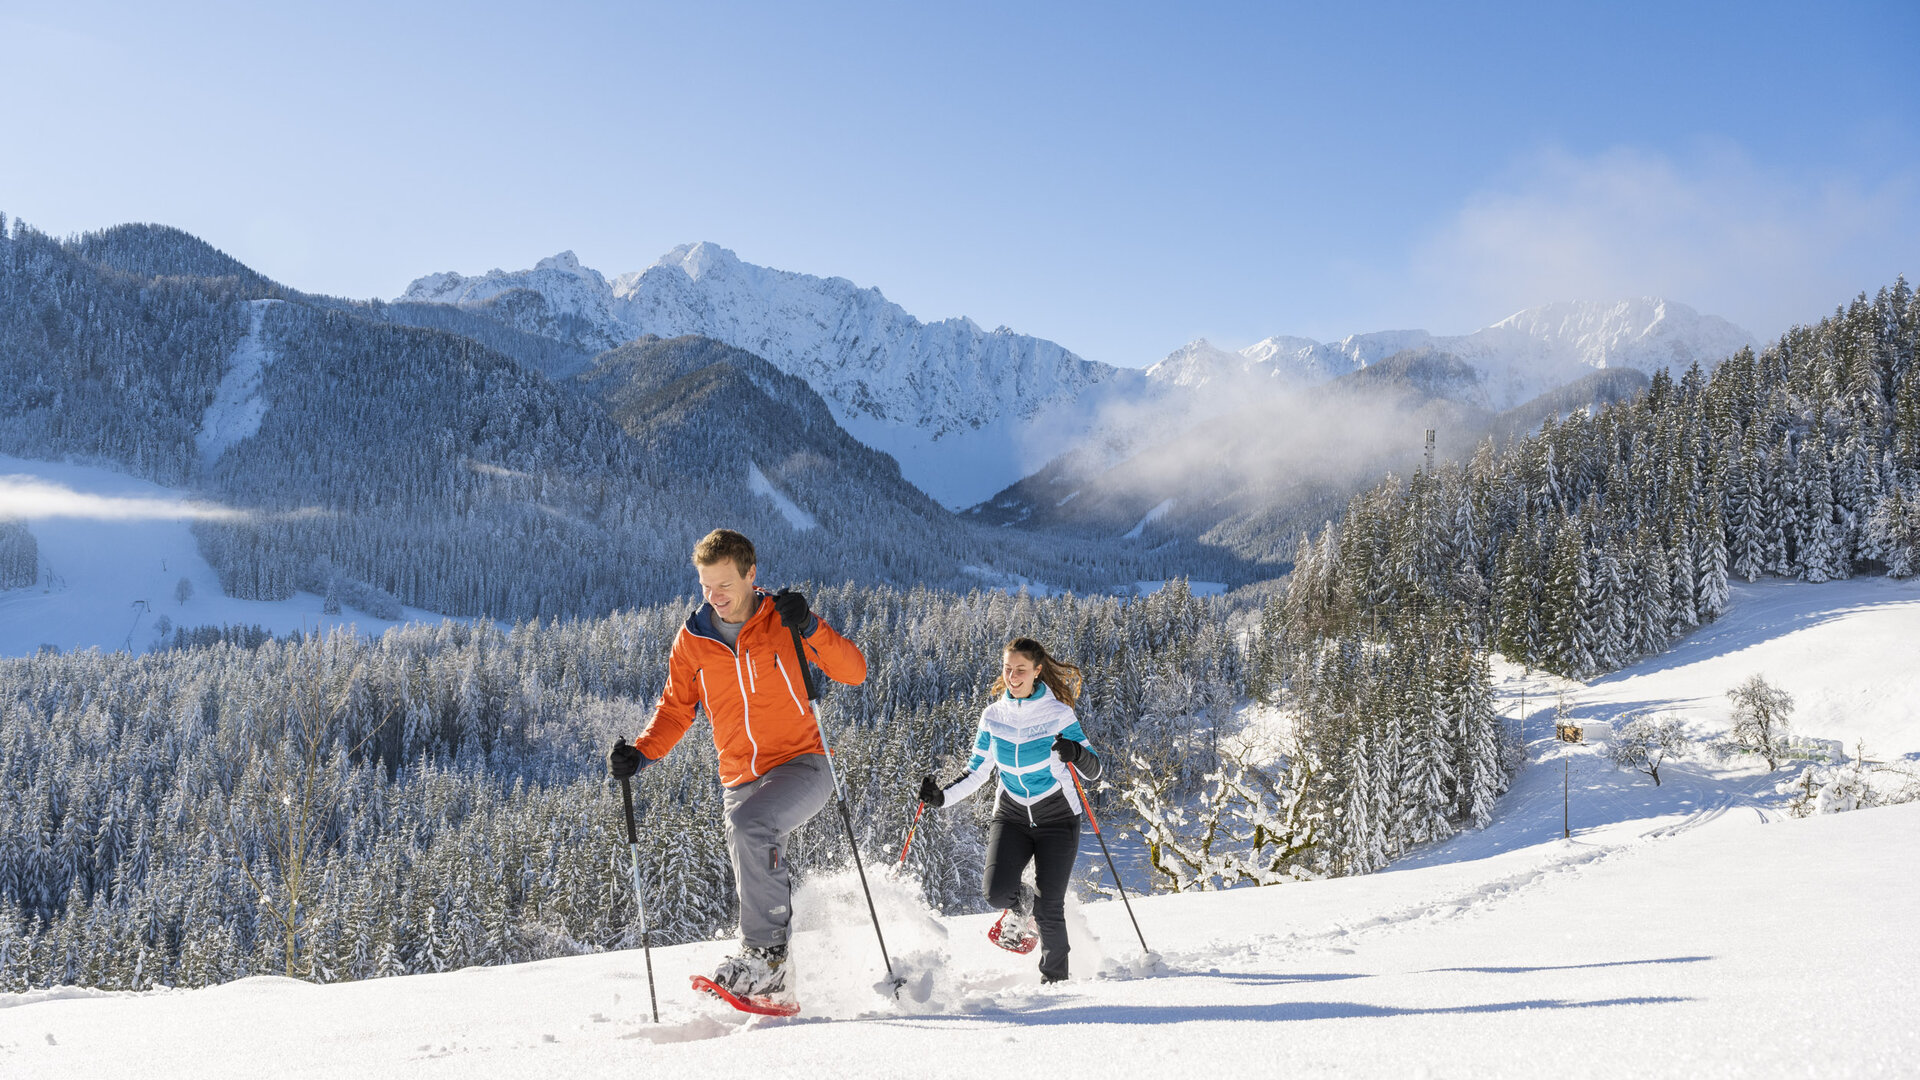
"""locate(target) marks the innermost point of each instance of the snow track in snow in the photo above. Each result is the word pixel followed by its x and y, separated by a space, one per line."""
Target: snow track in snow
pixel 237 406
pixel 1153 515
pixel 758 483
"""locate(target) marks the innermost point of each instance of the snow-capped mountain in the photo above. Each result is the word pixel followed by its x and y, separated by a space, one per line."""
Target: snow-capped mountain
pixel 964 410
pixel 854 345
pixel 967 412
pixel 1520 357
pixel 557 298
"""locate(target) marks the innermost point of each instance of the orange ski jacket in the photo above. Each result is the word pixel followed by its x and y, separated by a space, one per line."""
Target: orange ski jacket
pixel 754 693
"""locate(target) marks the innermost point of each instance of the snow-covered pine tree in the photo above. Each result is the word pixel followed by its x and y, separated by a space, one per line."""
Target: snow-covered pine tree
pixel 1427 778
pixel 1482 772
pixel 19 555
pixel 1781 497
pixel 1710 572
pixel 1818 557
pixel 1680 552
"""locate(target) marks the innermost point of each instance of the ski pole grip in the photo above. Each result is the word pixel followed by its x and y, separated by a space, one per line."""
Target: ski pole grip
pixel 626 795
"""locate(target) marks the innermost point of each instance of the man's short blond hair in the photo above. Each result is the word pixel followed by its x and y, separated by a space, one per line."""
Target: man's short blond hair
pixel 724 544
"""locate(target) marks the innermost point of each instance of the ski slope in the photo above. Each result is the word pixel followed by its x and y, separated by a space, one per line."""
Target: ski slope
pixel 113 550
pixel 1686 930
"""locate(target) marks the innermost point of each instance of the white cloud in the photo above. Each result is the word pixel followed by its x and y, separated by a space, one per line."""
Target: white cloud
pixel 32 498
pixel 1716 231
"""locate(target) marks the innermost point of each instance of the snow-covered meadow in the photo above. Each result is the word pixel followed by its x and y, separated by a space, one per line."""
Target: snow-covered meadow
pixel 1690 929
pixel 113 552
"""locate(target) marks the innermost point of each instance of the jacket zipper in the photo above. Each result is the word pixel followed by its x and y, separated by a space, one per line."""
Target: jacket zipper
pixel 746 716
pixel 788 680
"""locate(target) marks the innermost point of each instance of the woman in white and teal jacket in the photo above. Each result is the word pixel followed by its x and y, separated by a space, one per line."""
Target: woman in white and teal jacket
pixel 1030 737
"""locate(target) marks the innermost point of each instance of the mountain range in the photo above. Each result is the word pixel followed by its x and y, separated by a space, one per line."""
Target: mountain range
pixel 934 395
pixel 439 458
pixel 1517 359
pixel 548 442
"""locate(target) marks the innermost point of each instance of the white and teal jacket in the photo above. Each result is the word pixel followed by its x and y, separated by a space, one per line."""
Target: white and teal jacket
pixel 1015 740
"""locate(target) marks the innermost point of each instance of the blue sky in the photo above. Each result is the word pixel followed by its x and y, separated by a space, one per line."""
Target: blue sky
pixel 1118 177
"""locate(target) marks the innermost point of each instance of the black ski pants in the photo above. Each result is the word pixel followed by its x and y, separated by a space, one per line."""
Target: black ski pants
pixel 1051 840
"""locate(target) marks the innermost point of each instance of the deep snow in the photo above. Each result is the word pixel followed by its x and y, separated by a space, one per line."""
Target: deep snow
pixel 1683 930
pixel 1693 944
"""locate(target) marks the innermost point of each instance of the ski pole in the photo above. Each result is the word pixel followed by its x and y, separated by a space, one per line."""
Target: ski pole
pixel 910 828
pixel 1074 772
pixel 846 816
pixel 639 900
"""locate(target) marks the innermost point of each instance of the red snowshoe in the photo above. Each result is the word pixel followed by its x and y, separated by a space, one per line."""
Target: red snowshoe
pixel 1014 932
pixel 761 1004
pixel 754 981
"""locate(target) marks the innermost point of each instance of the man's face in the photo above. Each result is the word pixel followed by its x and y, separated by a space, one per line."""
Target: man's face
pixel 727 589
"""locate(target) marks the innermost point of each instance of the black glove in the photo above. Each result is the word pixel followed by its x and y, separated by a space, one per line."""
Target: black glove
pixel 625 759
pixel 1067 750
pixel 794 612
pixel 930 792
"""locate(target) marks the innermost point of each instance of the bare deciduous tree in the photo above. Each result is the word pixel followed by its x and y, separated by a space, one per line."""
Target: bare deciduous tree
pixel 1762 717
pixel 1646 742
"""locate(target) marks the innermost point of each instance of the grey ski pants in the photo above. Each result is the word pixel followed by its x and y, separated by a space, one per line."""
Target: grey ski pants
pixel 761 814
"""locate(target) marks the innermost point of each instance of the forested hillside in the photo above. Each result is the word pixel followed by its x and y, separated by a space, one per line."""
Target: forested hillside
pixel 444 459
pixel 1603 538
pixel 105 366
pixel 1609 534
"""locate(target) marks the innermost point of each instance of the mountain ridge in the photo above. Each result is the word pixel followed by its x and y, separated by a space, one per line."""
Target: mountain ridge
pixel 1523 355
pixel 935 394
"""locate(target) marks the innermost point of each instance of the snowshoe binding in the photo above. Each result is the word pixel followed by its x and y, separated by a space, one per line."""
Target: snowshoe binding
pixel 754 981
pixel 1016 931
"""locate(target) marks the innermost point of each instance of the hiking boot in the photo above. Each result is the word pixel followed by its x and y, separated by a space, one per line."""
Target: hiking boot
pixel 759 971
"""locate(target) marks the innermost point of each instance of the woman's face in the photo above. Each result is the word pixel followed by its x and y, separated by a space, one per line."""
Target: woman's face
pixel 1019 671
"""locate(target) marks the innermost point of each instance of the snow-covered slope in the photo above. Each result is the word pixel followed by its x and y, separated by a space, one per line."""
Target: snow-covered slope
pixel 1686 941
pixel 1685 930
pixel 237 407
pixel 965 411
pixel 1520 356
pixel 113 551
pixel 1843 649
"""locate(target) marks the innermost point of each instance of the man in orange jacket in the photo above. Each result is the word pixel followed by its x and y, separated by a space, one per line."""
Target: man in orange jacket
pixel 735 656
